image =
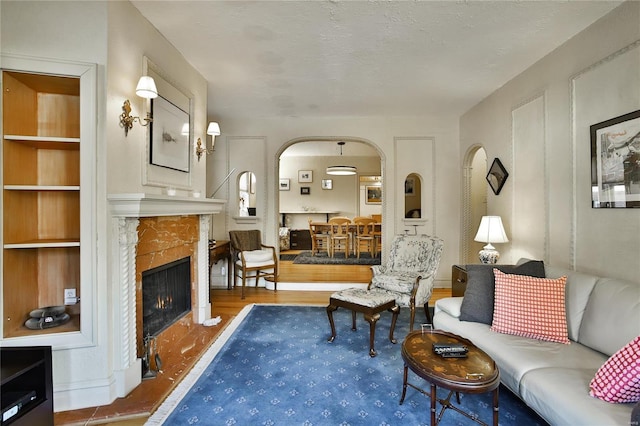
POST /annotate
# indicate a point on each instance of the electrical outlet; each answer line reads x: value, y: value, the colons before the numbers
x: 70, y: 296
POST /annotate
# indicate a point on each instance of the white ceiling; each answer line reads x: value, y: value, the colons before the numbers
x: 362, y: 58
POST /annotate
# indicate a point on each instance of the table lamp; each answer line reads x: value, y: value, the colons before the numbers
x: 490, y: 231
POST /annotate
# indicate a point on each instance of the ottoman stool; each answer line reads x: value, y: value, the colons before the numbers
x: 370, y: 303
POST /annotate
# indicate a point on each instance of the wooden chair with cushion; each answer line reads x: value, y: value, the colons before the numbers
x: 364, y: 236
x: 339, y: 235
x: 252, y: 258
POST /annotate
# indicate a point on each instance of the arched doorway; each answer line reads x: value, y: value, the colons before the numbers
x: 322, y: 190
x: 474, y: 201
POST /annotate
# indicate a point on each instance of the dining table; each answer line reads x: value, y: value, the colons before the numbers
x: 324, y: 228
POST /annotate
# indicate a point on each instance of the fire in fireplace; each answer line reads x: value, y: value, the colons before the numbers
x: 166, y: 295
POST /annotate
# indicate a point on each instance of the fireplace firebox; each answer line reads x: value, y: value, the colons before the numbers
x: 166, y: 295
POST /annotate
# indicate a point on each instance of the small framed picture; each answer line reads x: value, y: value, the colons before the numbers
x: 410, y: 186
x: 284, y: 185
x: 374, y: 194
x: 305, y: 190
x: 327, y: 184
x: 305, y: 176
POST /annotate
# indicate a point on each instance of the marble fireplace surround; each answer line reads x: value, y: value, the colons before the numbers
x: 178, y: 226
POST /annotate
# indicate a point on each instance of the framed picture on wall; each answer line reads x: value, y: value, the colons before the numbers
x: 410, y: 186
x: 305, y: 176
x: 327, y: 184
x: 305, y: 190
x: 374, y: 194
x: 284, y: 185
x: 169, y: 143
x: 497, y: 176
x: 615, y: 162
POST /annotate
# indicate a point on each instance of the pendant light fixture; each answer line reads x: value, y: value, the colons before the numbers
x: 341, y: 170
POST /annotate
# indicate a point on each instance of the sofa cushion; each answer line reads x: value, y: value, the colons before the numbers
x: 612, y: 316
x: 618, y: 380
x: 530, y: 307
x: 477, y: 305
x: 560, y: 395
x: 576, y: 294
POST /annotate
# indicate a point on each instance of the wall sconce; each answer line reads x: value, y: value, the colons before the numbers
x: 213, y: 129
x: 146, y: 88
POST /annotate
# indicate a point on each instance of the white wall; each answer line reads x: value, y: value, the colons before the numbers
x: 343, y: 198
x: 114, y: 36
x: 564, y: 93
x: 382, y: 133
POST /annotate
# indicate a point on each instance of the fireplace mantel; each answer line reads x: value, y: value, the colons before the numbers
x: 126, y: 212
x: 150, y: 205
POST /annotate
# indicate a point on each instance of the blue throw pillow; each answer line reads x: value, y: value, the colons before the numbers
x: 477, y: 305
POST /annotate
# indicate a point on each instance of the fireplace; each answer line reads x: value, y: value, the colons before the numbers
x: 135, y: 250
x: 166, y: 295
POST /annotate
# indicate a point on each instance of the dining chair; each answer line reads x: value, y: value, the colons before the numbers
x: 339, y: 235
x: 377, y: 233
x: 320, y: 237
x: 252, y: 258
x: 364, y: 235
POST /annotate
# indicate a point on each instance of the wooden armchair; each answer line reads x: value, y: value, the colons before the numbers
x: 252, y: 258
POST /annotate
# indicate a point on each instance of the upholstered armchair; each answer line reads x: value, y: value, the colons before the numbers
x: 410, y: 272
x: 252, y: 258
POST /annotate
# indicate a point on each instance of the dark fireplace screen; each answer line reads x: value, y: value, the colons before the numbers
x: 166, y: 295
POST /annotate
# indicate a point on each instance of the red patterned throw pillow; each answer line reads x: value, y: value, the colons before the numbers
x: 618, y: 380
x: 530, y: 307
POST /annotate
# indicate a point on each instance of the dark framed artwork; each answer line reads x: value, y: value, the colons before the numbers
x: 410, y: 186
x: 305, y: 190
x: 169, y: 143
x: 374, y: 194
x: 497, y: 176
x: 615, y: 162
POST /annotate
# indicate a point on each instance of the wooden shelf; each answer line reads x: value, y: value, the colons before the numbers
x: 42, y: 187
x: 41, y: 197
x: 43, y: 244
x: 46, y: 142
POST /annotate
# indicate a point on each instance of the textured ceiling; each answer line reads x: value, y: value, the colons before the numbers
x: 362, y: 58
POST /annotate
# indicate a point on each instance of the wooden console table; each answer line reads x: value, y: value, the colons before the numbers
x: 221, y: 250
x: 458, y: 280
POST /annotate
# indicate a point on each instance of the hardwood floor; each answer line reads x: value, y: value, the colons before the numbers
x: 135, y: 408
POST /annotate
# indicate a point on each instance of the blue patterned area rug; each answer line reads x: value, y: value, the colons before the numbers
x: 273, y: 365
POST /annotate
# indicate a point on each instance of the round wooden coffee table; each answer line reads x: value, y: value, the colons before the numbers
x: 477, y: 373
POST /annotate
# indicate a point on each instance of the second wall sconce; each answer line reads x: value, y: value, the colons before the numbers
x: 213, y: 129
x: 146, y: 88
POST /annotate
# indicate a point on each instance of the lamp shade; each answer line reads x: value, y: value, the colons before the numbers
x: 491, y: 230
x: 213, y: 128
x: 146, y: 87
x: 341, y: 170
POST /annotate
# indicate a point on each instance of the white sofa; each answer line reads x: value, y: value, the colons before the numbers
x: 603, y: 315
